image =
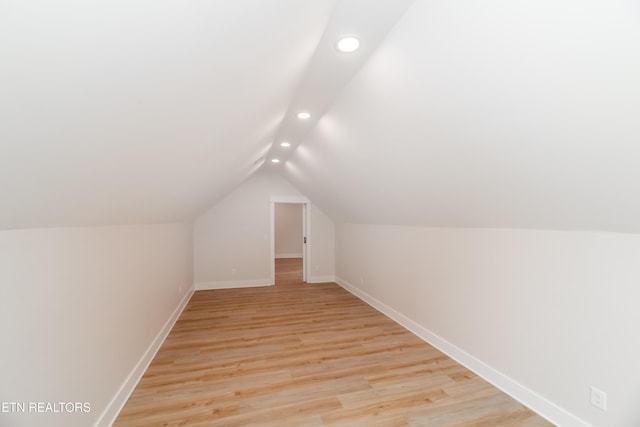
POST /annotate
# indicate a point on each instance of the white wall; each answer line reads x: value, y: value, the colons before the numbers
x: 79, y: 308
x: 288, y: 230
x: 553, y: 312
x: 232, y: 239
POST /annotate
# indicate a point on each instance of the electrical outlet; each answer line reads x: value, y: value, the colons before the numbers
x: 598, y: 398
x: 361, y: 280
x: 233, y: 271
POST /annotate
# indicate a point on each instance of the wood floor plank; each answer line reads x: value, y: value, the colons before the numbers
x: 306, y: 355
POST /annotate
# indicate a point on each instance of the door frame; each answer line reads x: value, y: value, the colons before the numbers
x: 306, y: 233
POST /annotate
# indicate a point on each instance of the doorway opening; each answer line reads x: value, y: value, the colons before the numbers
x: 289, y: 245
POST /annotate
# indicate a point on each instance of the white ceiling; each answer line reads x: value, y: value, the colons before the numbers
x: 492, y: 113
x: 141, y: 110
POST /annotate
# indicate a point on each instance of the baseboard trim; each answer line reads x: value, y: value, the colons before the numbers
x: 278, y: 256
x: 252, y: 283
x: 109, y: 415
x: 321, y: 279
x: 547, y: 409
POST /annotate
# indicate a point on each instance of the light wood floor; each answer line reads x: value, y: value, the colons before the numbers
x: 306, y: 355
x: 288, y: 271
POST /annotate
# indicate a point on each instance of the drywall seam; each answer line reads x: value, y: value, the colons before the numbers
x: 251, y: 283
x: 118, y: 401
x: 527, y: 397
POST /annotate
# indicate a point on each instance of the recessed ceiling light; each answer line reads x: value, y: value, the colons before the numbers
x: 285, y: 144
x: 303, y: 115
x: 275, y: 160
x: 348, y: 44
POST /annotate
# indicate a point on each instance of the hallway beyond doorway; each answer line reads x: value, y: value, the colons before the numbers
x: 288, y: 271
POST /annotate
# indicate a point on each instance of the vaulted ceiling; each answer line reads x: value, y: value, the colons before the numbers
x: 492, y: 113
x: 141, y: 110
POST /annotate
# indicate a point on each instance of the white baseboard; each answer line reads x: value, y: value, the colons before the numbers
x: 289, y: 255
x: 527, y: 397
x: 205, y: 286
x: 321, y: 279
x: 118, y: 401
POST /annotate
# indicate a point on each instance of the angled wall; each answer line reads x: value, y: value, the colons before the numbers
x: 545, y: 315
x: 80, y: 308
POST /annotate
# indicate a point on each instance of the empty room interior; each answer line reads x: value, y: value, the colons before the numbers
x: 320, y: 213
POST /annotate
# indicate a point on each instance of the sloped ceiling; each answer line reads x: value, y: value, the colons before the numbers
x: 488, y: 114
x: 141, y: 110
x: 493, y: 113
